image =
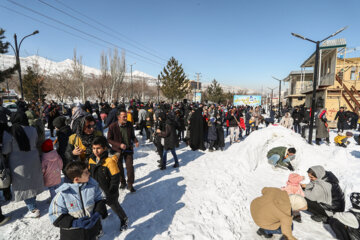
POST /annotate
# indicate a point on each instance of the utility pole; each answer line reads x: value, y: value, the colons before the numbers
x: 279, y: 94
x: 197, y: 83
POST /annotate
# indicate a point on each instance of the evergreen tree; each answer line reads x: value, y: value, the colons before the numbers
x: 174, y: 83
x: 4, y: 49
x: 33, y: 85
x: 215, y: 92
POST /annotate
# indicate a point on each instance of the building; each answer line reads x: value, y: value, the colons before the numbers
x: 297, y: 80
x: 338, y: 82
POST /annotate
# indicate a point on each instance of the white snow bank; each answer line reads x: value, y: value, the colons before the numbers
x: 209, y: 196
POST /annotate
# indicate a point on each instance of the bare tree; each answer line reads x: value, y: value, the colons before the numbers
x: 117, y: 71
x: 78, y: 74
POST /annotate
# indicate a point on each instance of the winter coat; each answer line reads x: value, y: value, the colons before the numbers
x: 212, y: 134
x: 149, y: 119
x: 25, y: 167
x: 351, y: 219
x: 130, y: 117
x: 63, y: 135
x: 74, y: 201
x: 320, y: 120
x: 106, y: 172
x: 171, y: 140
x: 297, y: 116
x: 281, y: 151
x: 111, y: 117
x: 326, y: 191
x: 341, y: 115
x: 293, y: 185
x: 114, y: 136
x: 4, y: 114
x: 52, y: 165
x: 339, y: 139
x: 197, y: 130
x: 257, y: 116
x: 273, y: 210
x: 75, y: 141
x: 233, y: 119
x: 142, y: 115
x: 287, y: 121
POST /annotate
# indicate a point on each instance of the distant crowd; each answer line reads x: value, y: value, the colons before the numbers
x: 92, y: 163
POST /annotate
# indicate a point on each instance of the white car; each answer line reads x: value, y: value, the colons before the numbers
x: 11, y: 106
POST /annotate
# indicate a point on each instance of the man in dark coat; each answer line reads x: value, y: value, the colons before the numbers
x: 111, y: 116
x: 170, y: 141
x: 297, y: 116
x: 341, y: 116
x: 197, y: 126
x: 121, y: 136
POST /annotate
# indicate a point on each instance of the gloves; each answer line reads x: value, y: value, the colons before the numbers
x: 93, y: 220
x: 290, y: 167
x: 80, y: 222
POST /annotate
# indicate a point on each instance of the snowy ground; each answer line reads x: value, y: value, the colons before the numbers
x: 209, y: 196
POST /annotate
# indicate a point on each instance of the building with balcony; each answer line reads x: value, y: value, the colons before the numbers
x: 297, y: 82
x: 338, y: 80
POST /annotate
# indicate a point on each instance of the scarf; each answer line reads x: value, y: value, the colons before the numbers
x: 86, y: 139
x: 77, y: 113
x: 18, y: 120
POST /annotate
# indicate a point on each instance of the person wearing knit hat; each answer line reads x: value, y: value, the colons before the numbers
x: 52, y: 165
x: 346, y: 225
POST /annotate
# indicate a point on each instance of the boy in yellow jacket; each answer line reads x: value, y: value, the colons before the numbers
x: 342, y: 140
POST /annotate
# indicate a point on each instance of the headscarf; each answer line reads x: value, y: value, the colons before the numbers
x: 18, y: 120
x: 77, y: 113
x: 86, y: 139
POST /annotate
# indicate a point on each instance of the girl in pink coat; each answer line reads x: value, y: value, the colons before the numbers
x: 293, y: 184
x: 51, y: 167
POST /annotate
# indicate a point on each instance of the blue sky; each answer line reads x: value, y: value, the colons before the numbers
x: 237, y: 42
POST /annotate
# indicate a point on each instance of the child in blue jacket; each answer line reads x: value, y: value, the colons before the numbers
x: 77, y: 207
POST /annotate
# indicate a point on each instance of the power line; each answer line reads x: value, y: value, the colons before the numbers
x: 99, y: 29
x: 99, y: 23
x: 83, y: 32
x: 65, y: 31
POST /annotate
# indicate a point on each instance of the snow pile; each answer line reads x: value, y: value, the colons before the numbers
x: 209, y: 196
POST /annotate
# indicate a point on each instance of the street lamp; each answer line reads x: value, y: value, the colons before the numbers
x: 17, y: 55
x: 311, y: 127
x: 279, y: 94
x: 272, y: 95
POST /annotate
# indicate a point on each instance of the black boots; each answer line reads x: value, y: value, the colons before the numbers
x: 261, y: 232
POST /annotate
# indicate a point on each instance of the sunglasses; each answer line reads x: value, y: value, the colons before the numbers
x: 91, y: 126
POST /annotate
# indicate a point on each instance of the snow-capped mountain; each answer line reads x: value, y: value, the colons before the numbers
x: 47, y: 66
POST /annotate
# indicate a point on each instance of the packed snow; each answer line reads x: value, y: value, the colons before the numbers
x: 209, y: 196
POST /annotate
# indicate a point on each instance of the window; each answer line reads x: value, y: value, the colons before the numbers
x: 352, y: 74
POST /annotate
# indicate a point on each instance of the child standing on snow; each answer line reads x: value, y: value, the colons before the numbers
x: 52, y: 165
x: 78, y: 206
x: 342, y: 140
x: 105, y: 171
x: 346, y: 224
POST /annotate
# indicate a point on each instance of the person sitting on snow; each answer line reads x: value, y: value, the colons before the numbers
x: 342, y: 140
x: 323, y: 194
x: 272, y: 212
x: 346, y: 224
x: 281, y: 157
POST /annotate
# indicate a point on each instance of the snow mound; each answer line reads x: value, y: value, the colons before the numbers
x: 209, y: 196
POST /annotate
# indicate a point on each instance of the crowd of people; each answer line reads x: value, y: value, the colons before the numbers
x: 96, y: 140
